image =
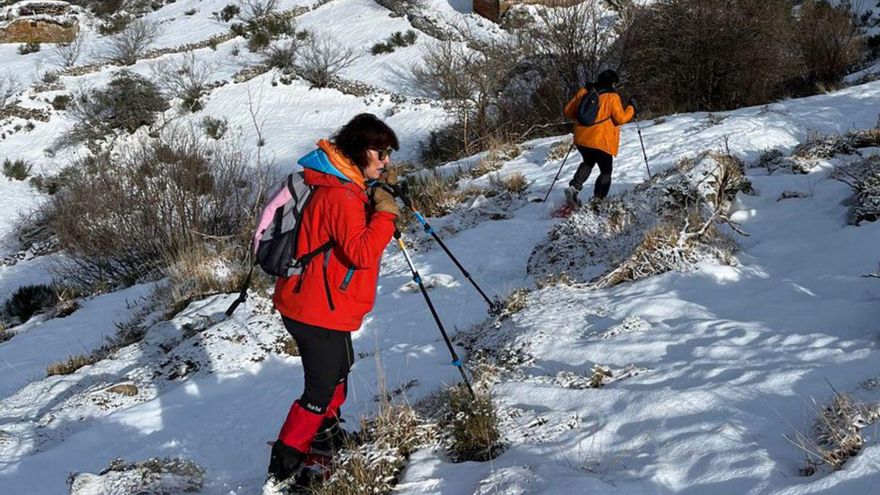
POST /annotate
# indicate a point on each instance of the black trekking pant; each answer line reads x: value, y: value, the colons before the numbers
x: 327, y: 356
x: 591, y: 157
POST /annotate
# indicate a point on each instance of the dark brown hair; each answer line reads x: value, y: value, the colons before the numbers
x: 364, y: 132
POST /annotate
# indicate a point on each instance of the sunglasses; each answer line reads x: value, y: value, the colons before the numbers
x: 383, y: 154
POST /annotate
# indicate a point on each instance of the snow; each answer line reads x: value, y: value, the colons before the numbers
x: 710, y: 368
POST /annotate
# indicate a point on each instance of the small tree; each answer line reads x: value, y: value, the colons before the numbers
x: 186, y: 78
x: 323, y: 58
x: 133, y: 42
x: 67, y: 54
x: 255, y: 9
x: 9, y: 87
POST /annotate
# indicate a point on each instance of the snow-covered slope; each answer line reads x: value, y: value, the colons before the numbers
x: 712, y: 367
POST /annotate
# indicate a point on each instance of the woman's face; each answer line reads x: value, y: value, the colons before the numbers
x: 376, y: 163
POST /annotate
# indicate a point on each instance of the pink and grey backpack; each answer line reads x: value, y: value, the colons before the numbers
x: 274, y: 242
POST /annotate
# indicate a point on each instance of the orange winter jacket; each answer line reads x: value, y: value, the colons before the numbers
x: 606, y: 135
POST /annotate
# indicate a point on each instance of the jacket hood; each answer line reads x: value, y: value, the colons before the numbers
x: 329, y: 162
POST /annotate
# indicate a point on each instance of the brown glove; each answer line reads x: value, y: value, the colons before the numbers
x: 384, y: 201
x: 389, y: 176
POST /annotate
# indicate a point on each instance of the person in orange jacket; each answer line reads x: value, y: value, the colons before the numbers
x: 599, y: 142
x: 351, y: 223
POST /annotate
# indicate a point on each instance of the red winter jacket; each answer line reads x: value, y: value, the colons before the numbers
x: 337, y: 288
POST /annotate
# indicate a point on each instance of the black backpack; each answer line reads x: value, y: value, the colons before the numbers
x: 588, y: 107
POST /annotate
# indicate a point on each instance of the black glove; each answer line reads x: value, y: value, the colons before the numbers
x: 632, y: 103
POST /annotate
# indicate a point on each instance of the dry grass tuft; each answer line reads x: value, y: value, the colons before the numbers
x: 558, y: 150
x: 836, y: 433
x: 514, y: 183
x: 374, y: 463
x: 515, y: 302
x: 71, y: 364
x: 472, y: 424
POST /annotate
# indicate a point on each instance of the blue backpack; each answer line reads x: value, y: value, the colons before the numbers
x: 588, y: 107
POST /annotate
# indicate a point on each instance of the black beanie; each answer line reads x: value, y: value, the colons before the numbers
x: 607, y: 79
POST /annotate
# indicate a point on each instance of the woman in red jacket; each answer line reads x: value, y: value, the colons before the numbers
x: 352, y: 223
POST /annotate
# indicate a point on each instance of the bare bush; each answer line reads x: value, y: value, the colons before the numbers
x: 282, y: 55
x: 132, y: 42
x: 574, y: 44
x: 829, y: 40
x: 200, y: 271
x: 67, y: 54
x: 323, y: 58
x: 9, y: 87
x: 255, y: 9
x: 864, y: 179
x: 688, y: 55
x: 445, y: 71
x: 123, y: 216
x: 186, y: 78
x: 128, y: 102
x: 475, y: 80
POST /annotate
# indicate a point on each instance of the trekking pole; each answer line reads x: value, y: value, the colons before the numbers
x: 639, y: 129
x: 558, y: 172
x: 402, y: 191
x: 418, y: 279
x: 242, y: 295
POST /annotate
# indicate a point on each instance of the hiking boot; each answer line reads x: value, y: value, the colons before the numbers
x: 571, y: 197
x: 285, y: 464
x: 595, y: 203
x: 330, y: 438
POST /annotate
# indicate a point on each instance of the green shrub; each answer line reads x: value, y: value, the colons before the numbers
x: 229, y: 12
x: 127, y: 103
x: 473, y: 426
x: 115, y: 24
x: 380, y: 48
x: 215, y: 128
x: 60, y: 102
x: 29, y: 47
x: 18, y: 169
x: 29, y: 300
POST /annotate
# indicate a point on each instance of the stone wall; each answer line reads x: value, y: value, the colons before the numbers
x: 25, y: 30
x: 494, y: 9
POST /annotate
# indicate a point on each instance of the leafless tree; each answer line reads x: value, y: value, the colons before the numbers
x: 322, y: 58
x: 67, y: 54
x: 574, y: 42
x: 255, y: 9
x: 9, y: 87
x: 686, y: 55
x: 185, y: 77
x: 829, y: 40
